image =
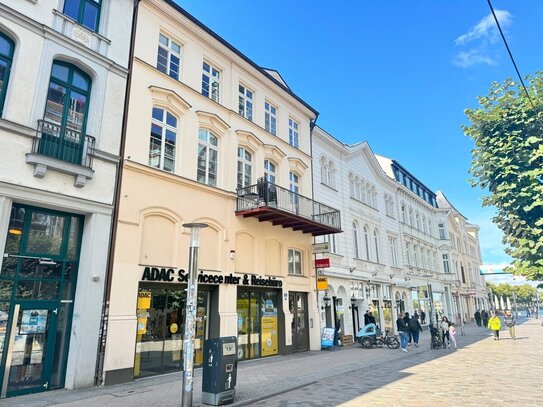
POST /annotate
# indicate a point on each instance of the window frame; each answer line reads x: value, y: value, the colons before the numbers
x: 208, y: 146
x: 270, y: 118
x: 292, y: 264
x: 8, y: 59
x: 244, y: 100
x: 355, y: 241
x: 270, y: 173
x: 164, y: 128
x: 293, y: 133
x: 81, y: 13
x: 170, y: 51
x: 211, y: 79
x: 245, y: 163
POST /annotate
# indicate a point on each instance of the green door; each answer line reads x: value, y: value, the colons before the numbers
x: 30, y: 348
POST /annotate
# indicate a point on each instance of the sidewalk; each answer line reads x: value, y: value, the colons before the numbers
x: 257, y: 379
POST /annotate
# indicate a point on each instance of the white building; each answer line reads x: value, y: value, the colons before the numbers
x: 63, y: 71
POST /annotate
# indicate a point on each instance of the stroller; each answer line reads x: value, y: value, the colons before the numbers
x: 435, y: 338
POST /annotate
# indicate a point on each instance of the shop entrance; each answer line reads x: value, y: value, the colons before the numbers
x: 161, y: 325
x: 300, y: 333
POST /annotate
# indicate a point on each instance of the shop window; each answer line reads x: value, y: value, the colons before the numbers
x: 294, y: 262
x: 6, y: 57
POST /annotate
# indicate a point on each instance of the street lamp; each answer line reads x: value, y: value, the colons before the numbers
x: 354, y: 308
x: 326, y: 300
x: 368, y: 291
x: 190, y: 314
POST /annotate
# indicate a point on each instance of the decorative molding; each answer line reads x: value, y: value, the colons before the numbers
x: 250, y: 139
x: 273, y: 152
x: 297, y: 165
x: 213, y: 120
x: 170, y: 97
x: 42, y: 163
x: 82, y: 36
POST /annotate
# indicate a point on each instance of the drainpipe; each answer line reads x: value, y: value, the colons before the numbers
x: 99, y: 376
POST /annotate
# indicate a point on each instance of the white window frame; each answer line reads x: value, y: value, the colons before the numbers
x: 393, y: 251
x: 376, y: 242
x: 245, y: 168
x: 169, y: 46
x: 165, y: 128
x: 270, y: 171
x: 211, y: 82
x: 246, y: 102
x: 207, y: 145
x: 356, y: 242
x: 295, y: 267
x: 366, y: 242
x: 293, y: 132
x: 441, y: 231
x: 270, y: 118
x: 446, y: 266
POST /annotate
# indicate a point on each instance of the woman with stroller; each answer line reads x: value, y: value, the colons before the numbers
x: 445, y: 331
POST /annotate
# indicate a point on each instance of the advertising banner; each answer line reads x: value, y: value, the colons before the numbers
x: 327, y: 337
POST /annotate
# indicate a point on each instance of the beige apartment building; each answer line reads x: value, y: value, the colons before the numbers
x: 211, y: 137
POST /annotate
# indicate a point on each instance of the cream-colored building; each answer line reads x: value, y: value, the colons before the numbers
x: 213, y: 138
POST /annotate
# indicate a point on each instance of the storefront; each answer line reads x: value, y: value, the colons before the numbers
x: 37, y: 288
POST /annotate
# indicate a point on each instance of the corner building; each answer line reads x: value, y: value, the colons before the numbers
x: 63, y: 70
x: 213, y: 138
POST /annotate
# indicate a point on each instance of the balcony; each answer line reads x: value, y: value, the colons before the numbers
x: 63, y: 149
x: 269, y: 202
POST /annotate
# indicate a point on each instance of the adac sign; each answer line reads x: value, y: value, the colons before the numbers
x: 164, y: 274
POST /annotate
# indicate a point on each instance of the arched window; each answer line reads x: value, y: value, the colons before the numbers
x: 163, y: 140
x: 208, y: 157
x: 85, y: 12
x: 367, y: 242
x: 331, y: 174
x: 376, y: 242
x: 66, y: 112
x: 355, y: 241
x: 245, y: 167
x: 6, y: 57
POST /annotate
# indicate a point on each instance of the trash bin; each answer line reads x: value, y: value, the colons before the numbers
x: 219, y: 370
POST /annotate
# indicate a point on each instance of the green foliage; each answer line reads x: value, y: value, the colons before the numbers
x: 525, y: 293
x: 508, y: 162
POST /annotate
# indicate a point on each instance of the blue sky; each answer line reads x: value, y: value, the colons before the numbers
x: 396, y: 73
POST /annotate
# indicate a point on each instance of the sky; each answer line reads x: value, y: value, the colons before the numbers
x: 398, y: 74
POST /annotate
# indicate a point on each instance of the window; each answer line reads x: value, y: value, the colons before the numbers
x: 411, y: 220
x: 331, y: 239
x: 294, y: 262
x: 441, y: 229
x: 409, y: 254
x: 446, y: 263
x: 66, y: 111
x: 293, y: 133
x: 416, y: 251
x: 211, y: 82
x: 351, y: 186
x: 294, y: 187
x: 269, y: 171
x: 367, y: 243
x: 208, y: 152
x: 418, y: 221
x: 85, y: 12
x: 463, y: 273
x: 163, y: 138
x: 393, y: 251
x: 355, y: 241
x: 245, y: 102
x: 6, y: 56
x: 376, y: 242
x: 424, y: 227
x: 168, y: 56
x: 270, y: 118
x: 245, y: 166
x: 403, y: 214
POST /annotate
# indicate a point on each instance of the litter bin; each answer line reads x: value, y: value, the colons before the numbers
x: 219, y: 370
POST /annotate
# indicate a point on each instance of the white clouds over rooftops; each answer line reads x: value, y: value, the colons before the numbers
x: 481, y: 39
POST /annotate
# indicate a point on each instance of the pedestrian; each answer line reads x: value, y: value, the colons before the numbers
x: 495, y: 324
x: 415, y: 329
x: 485, y: 318
x: 478, y: 317
x: 367, y: 317
x: 403, y: 329
x: 371, y: 319
x: 445, y: 332
x: 337, y: 342
x: 510, y: 322
x: 406, y: 319
x: 452, y: 335
x: 422, y: 317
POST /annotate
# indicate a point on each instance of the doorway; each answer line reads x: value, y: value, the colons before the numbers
x: 300, y: 332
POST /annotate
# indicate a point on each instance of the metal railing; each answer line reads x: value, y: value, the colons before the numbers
x: 64, y: 144
x: 267, y: 194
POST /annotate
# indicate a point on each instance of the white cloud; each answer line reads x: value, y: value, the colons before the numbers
x: 482, y: 37
x: 486, y: 28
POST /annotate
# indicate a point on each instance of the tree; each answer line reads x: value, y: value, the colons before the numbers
x: 508, y: 162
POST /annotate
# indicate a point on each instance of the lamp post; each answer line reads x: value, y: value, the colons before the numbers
x: 353, y: 308
x: 190, y: 314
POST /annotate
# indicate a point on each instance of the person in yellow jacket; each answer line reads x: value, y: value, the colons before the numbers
x: 495, y: 324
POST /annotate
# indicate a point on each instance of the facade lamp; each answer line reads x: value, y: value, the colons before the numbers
x: 326, y: 300
x: 353, y: 303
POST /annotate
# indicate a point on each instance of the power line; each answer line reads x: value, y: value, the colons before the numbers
x: 510, y: 54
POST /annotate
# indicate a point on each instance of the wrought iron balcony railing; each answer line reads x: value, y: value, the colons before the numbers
x: 64, y: 144
x: 267, y: 201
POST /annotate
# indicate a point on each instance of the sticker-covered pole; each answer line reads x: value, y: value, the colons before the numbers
x: 190, y: 315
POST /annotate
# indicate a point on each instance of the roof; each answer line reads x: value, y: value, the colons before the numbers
x: 444, y: 203
x: 272, y: 77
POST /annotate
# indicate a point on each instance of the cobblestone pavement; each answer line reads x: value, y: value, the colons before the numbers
x: 479, y: 373
x: 353, y: 376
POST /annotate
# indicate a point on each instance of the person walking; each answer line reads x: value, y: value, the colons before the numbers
x: 478, y: 318
x: 495, y: 325
x: 510, y: 322
x: 406, y: 319
x: 371, y: 318
x: 452, y: 335
x: 403, y: 330
x: 485, y: 318
x: 415, y: 329
x: 422, y: 317
x: 445, y: 332
x: 367, y: 317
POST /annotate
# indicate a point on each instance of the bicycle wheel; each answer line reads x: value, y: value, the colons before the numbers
x: 366, y: 342
x: 379, y: 342
x: 393, y: 343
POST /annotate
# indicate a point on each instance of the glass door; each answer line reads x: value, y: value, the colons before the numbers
x: 300, y: 333
x: 30, y: 348
x: 249, y: 324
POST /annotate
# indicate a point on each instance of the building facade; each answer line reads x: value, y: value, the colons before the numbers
x: 211, y: 138
x: 63, y: 71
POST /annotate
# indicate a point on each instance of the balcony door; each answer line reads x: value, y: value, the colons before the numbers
x: 66, y: 110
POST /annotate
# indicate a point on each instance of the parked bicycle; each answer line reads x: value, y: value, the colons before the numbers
x: 391, y: 341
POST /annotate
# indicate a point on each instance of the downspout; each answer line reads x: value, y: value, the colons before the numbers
x: 102, y: 339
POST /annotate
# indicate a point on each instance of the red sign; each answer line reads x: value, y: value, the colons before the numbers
x: 322, y: 263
